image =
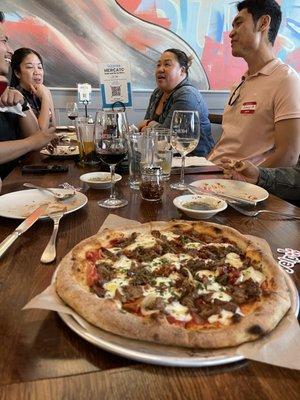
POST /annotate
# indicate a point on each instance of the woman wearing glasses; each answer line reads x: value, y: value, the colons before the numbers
x: 175, y: 92
x: 27, y: 77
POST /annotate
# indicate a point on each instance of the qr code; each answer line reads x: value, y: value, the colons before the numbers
x: 115, y: 90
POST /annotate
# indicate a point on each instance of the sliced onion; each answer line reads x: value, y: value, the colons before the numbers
x: 190, y: 276
x: 146, y: 302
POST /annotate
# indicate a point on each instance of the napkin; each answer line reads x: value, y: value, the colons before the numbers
x: 281, y: 347
x: 191, y: 162
x: 17, y: 109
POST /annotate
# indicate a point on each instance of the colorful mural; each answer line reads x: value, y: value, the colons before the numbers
x: 74, y: 36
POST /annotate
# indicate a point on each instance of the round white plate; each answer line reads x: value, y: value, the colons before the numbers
x: 102, y: 183
x: 244, y: 190
x: 62, y: 151
x: 21, y: 204
x: 158, y: 354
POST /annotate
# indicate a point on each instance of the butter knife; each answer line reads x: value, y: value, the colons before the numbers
x: 29, y: 221
x: 224, y: 196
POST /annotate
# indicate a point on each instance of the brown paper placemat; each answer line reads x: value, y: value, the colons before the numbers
x: 281, y: 347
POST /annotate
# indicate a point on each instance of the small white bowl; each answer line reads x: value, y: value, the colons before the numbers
x: 213, y: 201
x: 99, y: 180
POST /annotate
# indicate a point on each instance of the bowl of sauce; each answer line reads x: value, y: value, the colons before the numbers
x: 99, y: 180
x: 199, y: 206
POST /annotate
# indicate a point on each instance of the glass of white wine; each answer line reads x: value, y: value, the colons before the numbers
x: 185, y: 131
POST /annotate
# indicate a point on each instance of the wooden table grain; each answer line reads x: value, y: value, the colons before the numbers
x: 41, y: 358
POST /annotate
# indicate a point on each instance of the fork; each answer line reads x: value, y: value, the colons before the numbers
x: 57, y: 195
x: 49, y: 253
x: 254, y: 213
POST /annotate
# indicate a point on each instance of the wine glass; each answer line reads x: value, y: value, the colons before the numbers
x: 111, y: 133
x: 185, y: 131
x: 72, y: 110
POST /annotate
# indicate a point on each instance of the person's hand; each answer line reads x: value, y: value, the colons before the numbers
x: 40, y: 90
x: 142, y: 124
x: 11, y: 97
x: 42, y: 137
x: 239, y: 170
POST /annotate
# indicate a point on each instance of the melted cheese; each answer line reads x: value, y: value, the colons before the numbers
x: 113, y: 285
x: 252, y: 273
x: 164, y: 294
x: 178, y: 311
x: 123, y: 263
x: 145, y: 240
x: 212, y: 286
x: 218, y: 244
x: 193, y: 245
x: 206, y: 272
x: 163, y: 280
x: 115, y: 250
x: 224, y: 317
x: 234, y: 260
x: 170, y: 235
x: 221, y: 296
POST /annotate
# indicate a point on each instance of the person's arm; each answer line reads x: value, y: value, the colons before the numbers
x: 29, y: 124
x: 12, y: 149
x: 11, y: 97
x: 142, y: 125
x: 43, y: 93
x: 283, y: 182
x: 287, y: 144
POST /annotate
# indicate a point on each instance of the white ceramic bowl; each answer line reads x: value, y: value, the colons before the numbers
x: 99, y: 180
x: 212, y: 201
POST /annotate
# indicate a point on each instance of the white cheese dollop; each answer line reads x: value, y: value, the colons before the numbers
x: 178, y: 311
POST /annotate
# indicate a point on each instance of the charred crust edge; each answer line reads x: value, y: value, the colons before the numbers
x: 256, y: 330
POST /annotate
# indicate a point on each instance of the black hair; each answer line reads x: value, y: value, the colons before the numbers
x: 257, y: 8
x: 16, y: 60
x: 2, y: 17
x: 182, y: 58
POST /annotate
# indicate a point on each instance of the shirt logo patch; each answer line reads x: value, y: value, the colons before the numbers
x: 248, y: 107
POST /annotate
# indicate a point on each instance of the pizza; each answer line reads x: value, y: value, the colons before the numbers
x: 181, y: 283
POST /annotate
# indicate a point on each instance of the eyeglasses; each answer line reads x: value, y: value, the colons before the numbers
x: 236, y: 94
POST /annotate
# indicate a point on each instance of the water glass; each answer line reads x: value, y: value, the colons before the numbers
x: 139, y: 156
x: 162, y: 149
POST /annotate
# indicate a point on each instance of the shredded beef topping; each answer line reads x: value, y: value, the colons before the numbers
x: 168, y: 280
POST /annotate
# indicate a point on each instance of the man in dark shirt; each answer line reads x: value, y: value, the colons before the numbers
x: 18, y: 134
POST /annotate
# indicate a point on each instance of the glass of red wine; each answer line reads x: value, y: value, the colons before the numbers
x: 72, y: 110
x: 111, y: 133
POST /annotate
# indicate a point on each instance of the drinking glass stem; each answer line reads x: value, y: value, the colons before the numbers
x: 182, y: 169
x: 112, y: 177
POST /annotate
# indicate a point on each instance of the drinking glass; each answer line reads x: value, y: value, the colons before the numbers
x: 185, y: 134
x: 72, y: 110
x: 111, y: 134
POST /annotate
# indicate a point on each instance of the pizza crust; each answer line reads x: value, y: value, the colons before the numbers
x: 106, y: 313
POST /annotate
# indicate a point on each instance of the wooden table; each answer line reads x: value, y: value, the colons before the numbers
x: 41, y: 358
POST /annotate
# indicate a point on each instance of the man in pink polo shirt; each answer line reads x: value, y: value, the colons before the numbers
x: 261, y: 121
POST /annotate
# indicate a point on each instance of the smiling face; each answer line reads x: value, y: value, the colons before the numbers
x: 5, y: 53
x: 169, y: 73
x: 31, y: 71
x: 245, y: 37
